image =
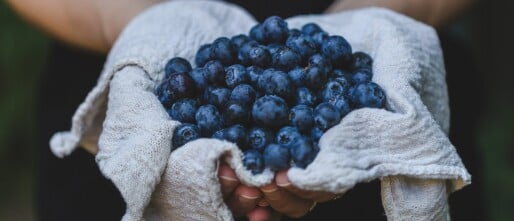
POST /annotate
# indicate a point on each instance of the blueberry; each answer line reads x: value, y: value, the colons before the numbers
x: 276, y: 83
x: 276, y: 157
x: 287, y: 136
x: 223, y: 51
x: 285, y: 59
x: 270, y: 111
x: 203, y: 55
x: 296, y: 75
x: 236, y: 74
x: 302, y: 44
x: 253, y: 161
x: 257, y: 33
x: 244, y: 51
x: 275, y: 29
x: 311, y: 28
x: 220, y: 134
x: 302, y: 117
x: 337, y: 49
x: 368, y: 95
x: 342, y: 103
x: 260, y: 56
x: 273, y: 48
x: 258, y: 138
x: 343, y: 81
x: 316, y: 134
x: 362, y: 60
x: 183, y: 134
x: 176, y: 86
x: 217, y: 96
x: 336, y: 73
x: 243, y: 94
x: 254, y: 72
x: 305, y: 96
x: 332, y: 90
x: 184, y: 110
x: 214, y: 72
x: 236, y: 134
x: 235, y: 112
x: 319, y: 38
x: 294, y: 32
x: 175, y: 65
x: 208, y: 119
x: 303, y: 152
x: 326, y: 116
x: 362, y: 76
x: 198, y: 76
x: 315, y: 77
x: 321, y: 62
x: 238, y: 41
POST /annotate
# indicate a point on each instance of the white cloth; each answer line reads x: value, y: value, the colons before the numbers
x: 406, y: 147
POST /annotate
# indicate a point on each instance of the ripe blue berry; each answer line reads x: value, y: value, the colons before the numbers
x: 175, y: 65
x: 305, y: 96
x: 208, y: 119
x: 270, y: 111
x: 311, y: 28
x: 220, y: 134
x: 321, y: 62
x: 235, y: 112
x: 243, y: 94
x: 302, y: 117
x: 362, y: 60
x: 238, y: 41
x: 203, y: 55
x: 362, y: 76
x: 342, y: 103
x: 253, y: 161
x: 302, y: 44
x: 217, y: 96
x: 176, y: 86
x: 337, y: 49
x: 236, y: 74
x: 287, y: 136
x: 285, y: 59
x: 260, y: 56
x: 198, y: 76
x: 223, y: 51
x: 254, y: 72
x: 296, y: 75
x: 276, y: 157
x: 184, y: 110
x: 183, y: 134
x: 275, y: 30
x: 319, y: 38
x: 274, y: 82
x: 258, y: 138
x: 316, y: 134
x: 368, y: 95
x: 303, y: 152
x: 344, y: 82
x: 244, y: 51
x: 273, y: 48
x: 257, y: 33
x: 315, y: 77
x: 332, y: 90
x: 214, y: 72
x: 236, y: 134
x: 326, y: 116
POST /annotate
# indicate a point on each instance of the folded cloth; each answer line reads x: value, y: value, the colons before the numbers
x: 406, y: 146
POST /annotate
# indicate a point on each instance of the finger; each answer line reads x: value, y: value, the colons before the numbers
x: 243, y: 200
x: 317, y: 196
x: 285, y: 202
x: 263, y: 214
x: 228, y: 180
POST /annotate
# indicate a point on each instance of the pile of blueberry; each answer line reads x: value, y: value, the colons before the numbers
x: 273, y: 93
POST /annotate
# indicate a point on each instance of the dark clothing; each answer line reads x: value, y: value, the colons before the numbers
x: 74, y: 189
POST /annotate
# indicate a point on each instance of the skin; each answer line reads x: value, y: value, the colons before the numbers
x: 95, y: 24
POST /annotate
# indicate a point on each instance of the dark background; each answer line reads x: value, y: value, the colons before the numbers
x: 483, y: 37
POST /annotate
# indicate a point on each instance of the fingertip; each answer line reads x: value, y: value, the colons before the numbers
x: 247, y: 192
x: 227, y: 173
x: 259, y: 214
x: 281, y: 179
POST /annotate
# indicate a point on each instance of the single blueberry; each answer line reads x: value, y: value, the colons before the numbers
x: 275, y: 30
x: 254, y: 72
x: 321, y: 62
x: 235, y: 113
x: 368, y: 95
x: 343, y: 104
x: 332, y: 90
x: 238, y: 41
x: 296, y: 75
x: 277, y: 83
x: 316, y: 134
x: 244, y: 94
x: 183, y: 134
x: 176, y: 86
x: 319, y: 38
x: 257, y: 34
x: 203, y: 55
x: 244, y: 51
x: 337, y: 50
x: 258, y: 138
x: 217, y: 96
x: 302, y: 44
x: 273, y: 48
x: 260, y: 56
x: 236, y: 134
x: 176, y: 64
x: 362, y: 60
x: 305, y: 96
x: 362, y: 76
x: 270, y: 111
x: 285, y: 59
x: 198, y: 76
x: 344, y: 82
x: 253, y: 161
x: 302, y: 152
x: 302, y: 117
x: 287, y: 136
x: 236, y: 74
x: 223, y: 51
x: 326, y: 116
x: 315, y: 77
x: 311, y: 28
x: 215, y: 73
x: 208, y: 119
x: 276, y: 157
x: 184, y: 110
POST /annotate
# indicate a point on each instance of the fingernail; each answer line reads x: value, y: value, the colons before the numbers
x: 282, y: 181
x: 269, y: 188
x: 248, y: 198
x: 231, y: 179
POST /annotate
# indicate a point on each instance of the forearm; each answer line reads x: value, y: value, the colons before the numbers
x: 93, y: 24
x: 432, y: 12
